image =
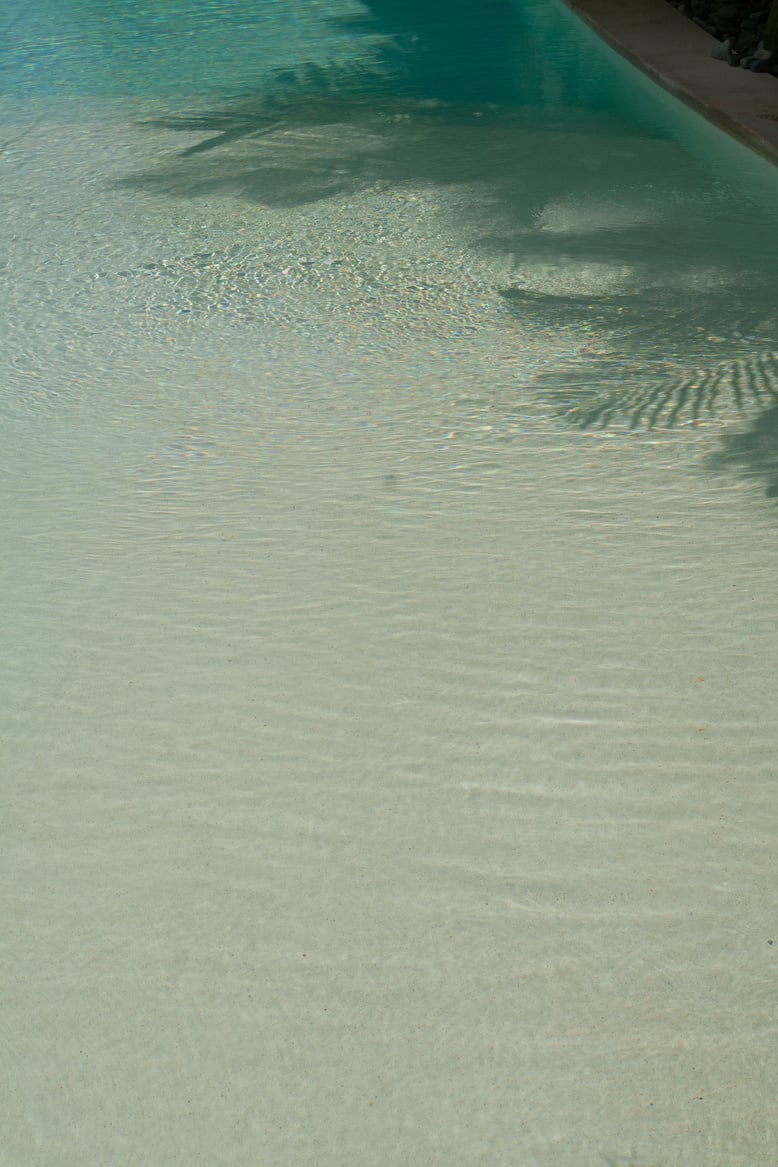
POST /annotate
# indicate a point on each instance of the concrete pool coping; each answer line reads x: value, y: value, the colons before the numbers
x: 676, y: 53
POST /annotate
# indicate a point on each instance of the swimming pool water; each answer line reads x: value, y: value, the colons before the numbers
x: 388, y: 598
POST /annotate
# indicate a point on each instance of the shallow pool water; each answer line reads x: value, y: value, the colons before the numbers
x: 387, y: 620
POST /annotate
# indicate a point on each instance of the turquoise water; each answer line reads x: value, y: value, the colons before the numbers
x: 387, y: 617
x: 162, y: 49
x: 448, y: 50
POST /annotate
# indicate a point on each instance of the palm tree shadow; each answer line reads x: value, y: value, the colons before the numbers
x: 652, y: 391
x: 753, y: 452
x: 419, y: 68
x: 677, y: 315
x: 674, y: 320
x: 666, y: 362
x: 658, y: 363
x: 332, y: 145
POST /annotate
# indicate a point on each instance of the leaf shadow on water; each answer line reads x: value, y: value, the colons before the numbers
x: 417, y: 71
x: 664, y: 359
x: 753, y: 451
x: 674, y: 314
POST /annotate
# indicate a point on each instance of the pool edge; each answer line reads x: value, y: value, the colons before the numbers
x: 676, y: 54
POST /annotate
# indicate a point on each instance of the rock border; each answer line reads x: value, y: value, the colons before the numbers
x: 739, y: 25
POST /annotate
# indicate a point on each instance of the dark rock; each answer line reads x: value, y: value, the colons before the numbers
x: 739, y: 24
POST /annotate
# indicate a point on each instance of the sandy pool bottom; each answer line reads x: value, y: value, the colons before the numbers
x: 389, y: 766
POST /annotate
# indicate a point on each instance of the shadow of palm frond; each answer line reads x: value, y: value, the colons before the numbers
x: 687, y: 330
x: 321, y: 129
x: 753, y: 452
x: 312, y: 95
x: 658, y: 360
x: 281, y: 154
x: 407, y: 53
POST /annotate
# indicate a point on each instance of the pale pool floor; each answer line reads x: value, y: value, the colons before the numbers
x: 390, y: 771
